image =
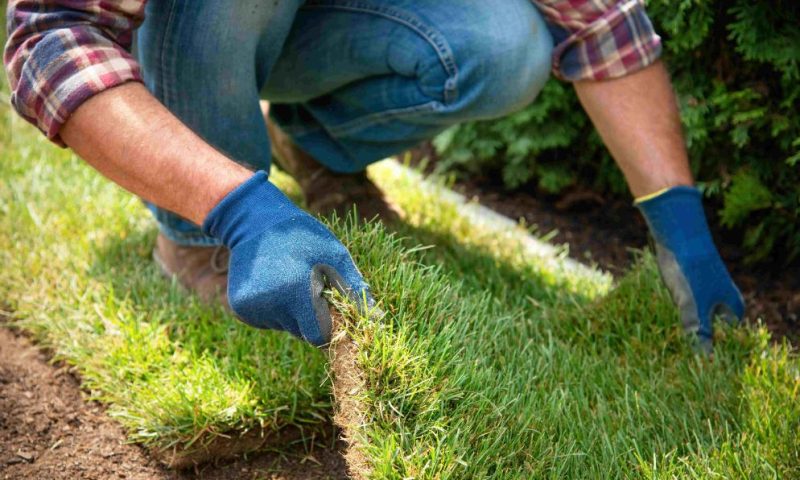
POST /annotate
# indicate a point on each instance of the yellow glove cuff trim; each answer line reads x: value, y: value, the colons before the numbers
x: 650, y: 196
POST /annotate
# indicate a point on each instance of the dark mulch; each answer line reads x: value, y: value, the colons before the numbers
x: 49, y: 430
x: 603, y: 231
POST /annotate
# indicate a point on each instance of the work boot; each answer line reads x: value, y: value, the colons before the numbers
x: 324, y: 190
x: 202, y: 270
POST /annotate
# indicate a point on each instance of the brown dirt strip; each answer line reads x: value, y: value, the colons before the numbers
x: 49, y: 430
x: 348, y: 384
x: 235, y: 445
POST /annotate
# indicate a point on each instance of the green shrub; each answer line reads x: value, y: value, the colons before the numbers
x: 736, y: 68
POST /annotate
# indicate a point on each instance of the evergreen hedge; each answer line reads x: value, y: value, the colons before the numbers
x: 736, y: 69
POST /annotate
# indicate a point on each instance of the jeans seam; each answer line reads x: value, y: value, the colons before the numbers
x: 300, y: 130
x: 166, y: 43
x: 378, y: 117
x: 434, y: 38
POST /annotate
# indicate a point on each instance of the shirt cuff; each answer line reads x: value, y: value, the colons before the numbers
x: 619, y: 42
x: 64, y: 69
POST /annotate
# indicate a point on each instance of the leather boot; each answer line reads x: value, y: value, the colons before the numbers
x: 202, y: 270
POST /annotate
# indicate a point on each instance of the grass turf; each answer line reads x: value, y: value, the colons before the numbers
x: 486, y: 365
x: 490, y: 365
x: 77, y: 273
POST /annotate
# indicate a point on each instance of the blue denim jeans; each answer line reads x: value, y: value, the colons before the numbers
x: 351, y: 81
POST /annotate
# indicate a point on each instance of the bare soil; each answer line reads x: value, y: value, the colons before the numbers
x: 49, y: 430
x: 348, y: 384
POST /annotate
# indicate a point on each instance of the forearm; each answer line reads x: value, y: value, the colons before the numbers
x: 637, y: 117
x: 129, y: 137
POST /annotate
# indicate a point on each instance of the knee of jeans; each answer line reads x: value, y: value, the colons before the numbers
x: 502, y: 70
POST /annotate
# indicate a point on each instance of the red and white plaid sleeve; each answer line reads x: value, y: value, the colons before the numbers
x: 603, y: 38
x: 61, y: 52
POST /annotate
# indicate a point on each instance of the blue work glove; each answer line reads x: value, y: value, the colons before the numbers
x: 689, y: 262
x: 281, y: 260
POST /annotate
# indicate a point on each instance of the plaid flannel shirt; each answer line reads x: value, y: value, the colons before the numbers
x: 61, y: 52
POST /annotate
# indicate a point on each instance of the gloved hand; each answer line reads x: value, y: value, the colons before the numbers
x: 281, y: 260
x: 689, y: 262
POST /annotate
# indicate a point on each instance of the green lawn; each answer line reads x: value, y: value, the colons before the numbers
x: 77, y: 272
x: 491, y: 365
x: 487, y: 364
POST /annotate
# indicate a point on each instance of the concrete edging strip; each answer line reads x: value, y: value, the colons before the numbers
x: 492, y: 221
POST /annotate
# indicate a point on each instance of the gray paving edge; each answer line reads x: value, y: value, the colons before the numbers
x: 491, y: 221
